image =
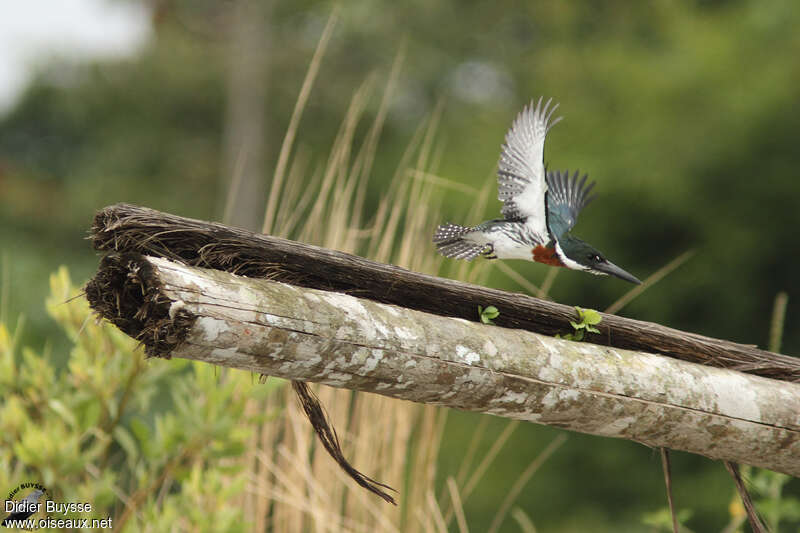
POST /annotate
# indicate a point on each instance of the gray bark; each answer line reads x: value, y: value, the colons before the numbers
x: 343, y: 341
x: 125, y: 229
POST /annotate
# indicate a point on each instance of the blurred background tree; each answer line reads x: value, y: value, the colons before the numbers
x: 685, y: 113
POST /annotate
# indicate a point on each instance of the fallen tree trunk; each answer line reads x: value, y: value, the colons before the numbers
x: 311, y: 335
x: 127, y: 228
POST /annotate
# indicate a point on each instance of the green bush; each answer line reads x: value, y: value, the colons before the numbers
x: 148, y: 443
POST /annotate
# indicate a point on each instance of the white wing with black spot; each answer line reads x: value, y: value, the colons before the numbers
x: 521, y: 175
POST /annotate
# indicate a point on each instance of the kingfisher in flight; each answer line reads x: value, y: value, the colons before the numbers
x: 540, y: 207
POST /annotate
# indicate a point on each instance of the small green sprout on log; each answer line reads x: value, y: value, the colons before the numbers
x: 488, y: 314
x: 587, y: 320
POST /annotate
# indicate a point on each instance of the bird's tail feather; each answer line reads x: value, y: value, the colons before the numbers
x: 449, y: 242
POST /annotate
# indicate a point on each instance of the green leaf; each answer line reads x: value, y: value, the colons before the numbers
x: 491, y: 312
x: 587, y: 317
x: 143, y: 435
x: 126, y: 442
x: 64, y: 412
x: 91, y: 415
x: 590, y: 316
x: 662, y: 519
x: 487, y: 314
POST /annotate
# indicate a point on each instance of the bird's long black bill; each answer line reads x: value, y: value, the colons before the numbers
x: 610, y: 268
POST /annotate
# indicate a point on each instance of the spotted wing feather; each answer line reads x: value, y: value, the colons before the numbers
x: 449, y: 242
x: 521, y: 174
x: 566, y: 197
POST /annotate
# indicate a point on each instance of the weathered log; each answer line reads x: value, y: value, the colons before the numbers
x: 343, y: 341
x: 127, y: 228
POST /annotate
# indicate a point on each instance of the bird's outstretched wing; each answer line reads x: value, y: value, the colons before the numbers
x: 521, y: 175
x: 566, y: 197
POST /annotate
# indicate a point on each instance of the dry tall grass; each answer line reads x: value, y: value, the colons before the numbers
x: 295, y: 485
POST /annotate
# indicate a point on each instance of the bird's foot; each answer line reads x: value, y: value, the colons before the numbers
x: 488, y: 251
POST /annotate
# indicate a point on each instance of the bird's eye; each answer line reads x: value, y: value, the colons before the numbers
x: 595, y: 258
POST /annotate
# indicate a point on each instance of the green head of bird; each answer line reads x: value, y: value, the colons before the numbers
x: 579, y: 255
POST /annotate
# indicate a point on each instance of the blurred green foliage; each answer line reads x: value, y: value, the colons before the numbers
x: 685, y: 113
x: 95, y: 432
x: 778, y: 509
